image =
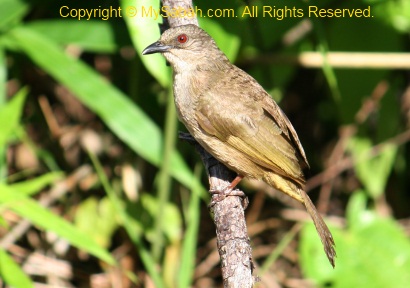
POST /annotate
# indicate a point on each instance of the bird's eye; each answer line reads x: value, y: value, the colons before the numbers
x: 182, y: 38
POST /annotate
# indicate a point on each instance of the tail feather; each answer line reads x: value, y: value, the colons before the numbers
x: 321, y: 228
x: 296, y: 192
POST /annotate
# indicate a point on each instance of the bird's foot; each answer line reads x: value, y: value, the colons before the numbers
x: 219, y: 194
x: 227, y: 191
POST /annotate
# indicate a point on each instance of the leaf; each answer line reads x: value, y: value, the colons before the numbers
x: 373, y: 253
x: 396, y: 13
x: 313, y: 261
x: 374, y: 172
x: 132, y: 226
x: 12, y: 11
x: 144, y: 30
x: 33, y: 186
x: 10, y: 115
x: 40, y: 216
x: 174, y: 223
x: 93, y: 36
x: 120, y: 114
x: 97, y: 218
x: 189, y: 245
x: 11, y: 273
x: 357, y: 204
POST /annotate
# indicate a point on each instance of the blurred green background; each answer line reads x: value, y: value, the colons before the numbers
x: 97, y: 191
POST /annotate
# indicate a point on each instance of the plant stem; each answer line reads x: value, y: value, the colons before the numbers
x: 164, y: 181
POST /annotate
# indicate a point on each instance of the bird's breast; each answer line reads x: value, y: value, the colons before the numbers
x: 186, y: 93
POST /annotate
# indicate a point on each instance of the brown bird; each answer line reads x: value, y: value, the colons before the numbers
x: 235, y: 119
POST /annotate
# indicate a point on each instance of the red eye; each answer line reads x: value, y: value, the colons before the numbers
x: 182, y: 38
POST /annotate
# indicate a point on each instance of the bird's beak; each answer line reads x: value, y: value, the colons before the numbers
x: 156, y: 47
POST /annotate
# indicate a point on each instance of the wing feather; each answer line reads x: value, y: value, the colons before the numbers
x: 250, y: 125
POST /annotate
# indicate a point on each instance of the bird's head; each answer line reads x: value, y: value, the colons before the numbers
x: 188, y: 47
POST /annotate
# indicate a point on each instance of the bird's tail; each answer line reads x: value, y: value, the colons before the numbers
x: 296, y: 192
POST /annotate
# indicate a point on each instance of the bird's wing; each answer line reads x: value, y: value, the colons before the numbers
x: 282, y: 120
x: 236, y: 112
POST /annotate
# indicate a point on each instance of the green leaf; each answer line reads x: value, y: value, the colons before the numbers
x: 373, y: 253
x: 120, y: 114
x: 131, y: 226
x: 94, y: 36
x: 171, y: 213
x: 144, y: 30
x: 33, y: 186
x: 97, y: 218
x: 189, y: 245
x: 3, y: 99
x: 396, y: 13
x: 356, y: 207
x: 11, y: 273
x: 374, y: 172
x: 40, y: 216
x: 12, y: 11
x: 10, y: 115
x: 3, y: 76
x: 313, y: 260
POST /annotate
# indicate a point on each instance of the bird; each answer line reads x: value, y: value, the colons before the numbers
x: 235, y: 120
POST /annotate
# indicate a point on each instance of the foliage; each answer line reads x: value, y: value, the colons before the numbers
x: 89, y: 153
x: 373, y: 251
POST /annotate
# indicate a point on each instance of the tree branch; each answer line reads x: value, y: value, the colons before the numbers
x: 229, y: 218
x: 351, y: 60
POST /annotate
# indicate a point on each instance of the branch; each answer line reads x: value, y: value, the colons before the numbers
x: 356, y: 60
x: 229, y: 217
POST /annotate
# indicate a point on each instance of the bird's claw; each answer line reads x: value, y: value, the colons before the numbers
x: 227, y: 192
x: 219, y: 194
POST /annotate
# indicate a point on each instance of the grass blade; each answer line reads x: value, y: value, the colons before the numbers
x: 120, y: 114
x: 40, y: 216
x: 146, y: 258
x: 11, y: 273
